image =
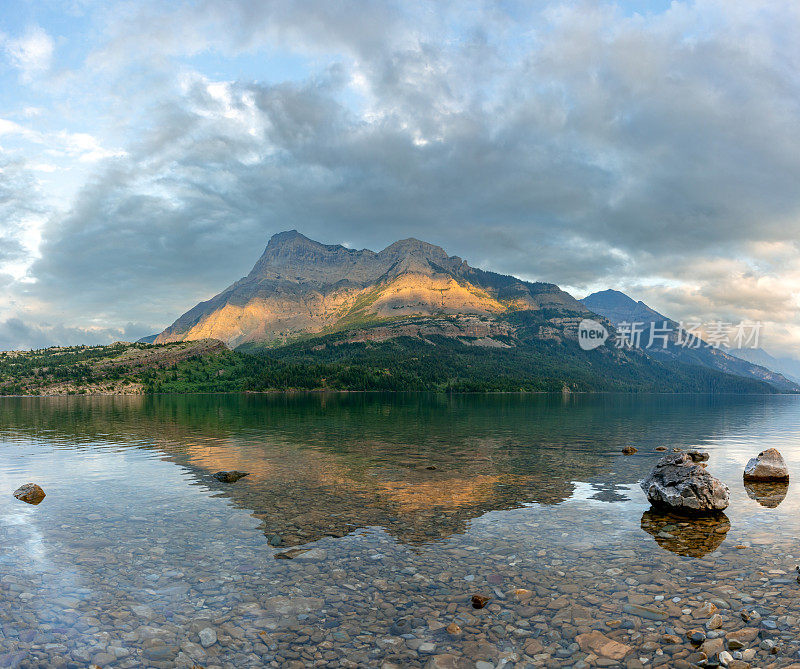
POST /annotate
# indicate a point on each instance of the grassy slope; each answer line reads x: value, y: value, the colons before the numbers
x: 121, y: 368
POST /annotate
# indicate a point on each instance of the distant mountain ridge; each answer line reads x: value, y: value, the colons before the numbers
x: 620, y: 308
x: 788, y: 367
x: 301, y: 287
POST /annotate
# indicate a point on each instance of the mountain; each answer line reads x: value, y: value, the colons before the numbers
x: 300, y: 287
x: 789, y: 367
x: 620, y: 308
x: 409, y: 317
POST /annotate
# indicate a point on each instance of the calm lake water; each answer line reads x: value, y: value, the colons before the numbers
x: 369, y: 521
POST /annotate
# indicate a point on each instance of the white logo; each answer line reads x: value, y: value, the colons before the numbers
x: 591, y: 334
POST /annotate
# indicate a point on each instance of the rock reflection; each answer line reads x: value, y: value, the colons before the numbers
x: 610, y: 492
x: 690, y: 537
x: 767, y: 493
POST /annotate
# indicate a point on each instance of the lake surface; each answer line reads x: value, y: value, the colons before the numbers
x: 369, y: 521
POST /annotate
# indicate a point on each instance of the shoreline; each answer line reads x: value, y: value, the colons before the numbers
x: 320, y: 391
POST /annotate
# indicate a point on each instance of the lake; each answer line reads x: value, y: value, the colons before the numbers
x: 369, y: 521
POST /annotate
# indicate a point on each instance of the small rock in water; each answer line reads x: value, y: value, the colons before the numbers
x: 661, y: 448
x: 522, y: 594
x: 291, y: 553
x: 697, y: 456
x: 696, y: 637
x: 767, y: 466
x: 745, y: 635
x: 598, y: 643
x: 230, y: 477
x: 629, y: 450
x: 678, y: 482
x: 453, y: 629
x: 479, y: 601
x: 208, y: 637
x: 431, y: 467
x: 708, y: 609
x: 401, y: 626
x: 644, y: 612
x: 30, y: 493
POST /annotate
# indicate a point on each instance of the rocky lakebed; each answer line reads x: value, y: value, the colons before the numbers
x: 404, y: 531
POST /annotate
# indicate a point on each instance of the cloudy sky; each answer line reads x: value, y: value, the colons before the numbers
x: 149, y: 149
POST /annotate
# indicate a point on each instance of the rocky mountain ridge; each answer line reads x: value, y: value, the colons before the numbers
x: 301, y: 287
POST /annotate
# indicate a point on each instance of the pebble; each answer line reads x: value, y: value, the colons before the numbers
x: 208, y: 637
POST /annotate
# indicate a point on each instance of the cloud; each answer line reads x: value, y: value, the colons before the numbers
x: 18, y: 335
x: 20, y: 209
x: 78, y: 145
x: 32, y: 53
x: 570, y: 142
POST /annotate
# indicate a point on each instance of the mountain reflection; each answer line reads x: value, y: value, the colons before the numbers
x: 420, y: 466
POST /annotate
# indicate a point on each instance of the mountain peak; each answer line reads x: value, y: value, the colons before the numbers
x: 609, y: 297
x: 288, y: 237
x: 619, y: 307
x: 415, y: 250
x: 412, y: 244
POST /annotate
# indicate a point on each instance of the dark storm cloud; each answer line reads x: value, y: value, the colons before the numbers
x: 573, y: 144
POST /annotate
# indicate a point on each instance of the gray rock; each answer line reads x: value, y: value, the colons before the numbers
x: 313, y: 554
x: 680, y: 484
x: 645, y: 612
x: 208, y: 637
x: 767, y: 466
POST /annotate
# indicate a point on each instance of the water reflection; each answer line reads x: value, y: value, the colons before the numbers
x: 420, y: 466
x: 450, y: 497
x: 767, y: 493
x: 693, y: 537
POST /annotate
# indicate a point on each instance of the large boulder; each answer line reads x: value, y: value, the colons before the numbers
x: 680, y: 483
x: 768, y: 466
